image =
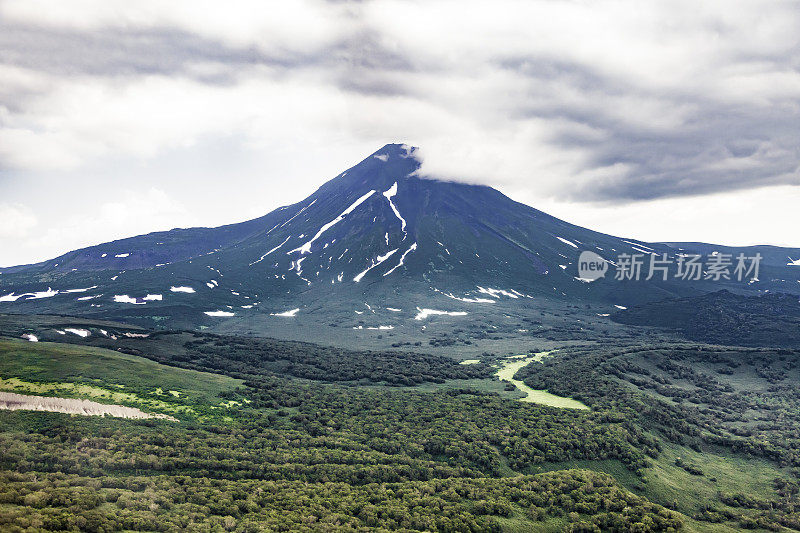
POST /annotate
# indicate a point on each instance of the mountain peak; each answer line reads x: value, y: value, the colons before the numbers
x: 377, y: 229
x: 401, y: 150
x: 391, y: 163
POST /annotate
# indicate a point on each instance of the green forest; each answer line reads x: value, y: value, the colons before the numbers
x: 265, y: 444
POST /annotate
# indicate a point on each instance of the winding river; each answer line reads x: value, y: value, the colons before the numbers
x: 510, y: 368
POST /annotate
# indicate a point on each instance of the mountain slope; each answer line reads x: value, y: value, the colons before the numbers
x: 771, y: 320
x: 376, y: 236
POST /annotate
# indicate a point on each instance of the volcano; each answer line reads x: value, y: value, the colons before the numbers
x: 380, y: 236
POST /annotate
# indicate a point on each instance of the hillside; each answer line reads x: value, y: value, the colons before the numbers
x: 724, y: 318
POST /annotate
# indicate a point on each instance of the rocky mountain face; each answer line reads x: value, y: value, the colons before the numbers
x: 377, y: 236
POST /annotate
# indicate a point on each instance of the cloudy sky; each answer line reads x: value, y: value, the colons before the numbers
x: 656, y: 120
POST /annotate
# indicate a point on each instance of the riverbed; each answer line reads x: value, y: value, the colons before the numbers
x: 510, y: 367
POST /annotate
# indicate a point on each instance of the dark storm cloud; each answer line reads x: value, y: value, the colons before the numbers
x: 721, y: 149
x: 170, y: 51
x: 717, y: 147
x: 126, y: 52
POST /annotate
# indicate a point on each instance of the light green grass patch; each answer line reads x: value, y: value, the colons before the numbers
x: 75, y: 390
x: 107, y: 376
x: 667, y: 482
x: 509, y: 369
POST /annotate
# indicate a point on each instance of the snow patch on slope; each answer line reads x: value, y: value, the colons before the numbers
x: 181, y: 289
x: 306, y: 248
x: 375, y: 262
x: 495, y: 292
x: 565, y: 241
x: 290, y: 313
x: 402, y: 258
x: 12, y: 297
x: 467, y: 300
x: 218, y: 313
x: 269, y: 252
x: 422, y: 314
x: 125, y: 299
x: 49, y: 293
x: 391, y: 192
x: 81, y: 290
x: 297, y: 214
x: 636, y: 244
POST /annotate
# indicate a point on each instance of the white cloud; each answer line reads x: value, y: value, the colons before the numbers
x: 767, y: 215
x: 132, y: 213
x: 17, y: 221
x: 559, y: 103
